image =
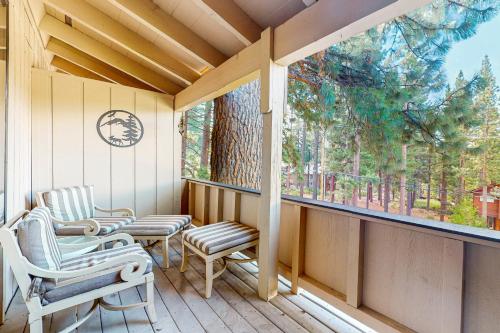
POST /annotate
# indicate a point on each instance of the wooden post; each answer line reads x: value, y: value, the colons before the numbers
x: 205, y: 219
x: 192, y: 199
x: 220, y: 205
x: 272, y: 105
x: 235, y: 204
x: 453, y: 275
x: 299, y: 241
x: 354, y: 291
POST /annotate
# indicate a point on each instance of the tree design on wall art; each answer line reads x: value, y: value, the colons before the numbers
x: 120, y: 128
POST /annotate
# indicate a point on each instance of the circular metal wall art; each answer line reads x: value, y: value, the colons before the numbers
x: 120, y: 128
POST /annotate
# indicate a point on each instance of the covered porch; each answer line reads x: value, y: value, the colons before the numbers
x: 321, y: 267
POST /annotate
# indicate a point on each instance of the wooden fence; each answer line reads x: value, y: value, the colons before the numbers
x: 391, y: 273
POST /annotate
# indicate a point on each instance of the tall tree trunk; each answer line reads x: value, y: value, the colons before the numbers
x: 443, y: 194
x: 402, y: 180
x: 332, y: 186
x: 316, y: 164
x: 183, y: 130
x: 205, y: 140
x: 484, y: 169
x: 303, y: 158
x: 288, y: 179
x: 237, y: 138
x: 379, y: 187
x: 461, y: 179
x: 387, y: 192
x: 355, y: 168
x: 322, y: 184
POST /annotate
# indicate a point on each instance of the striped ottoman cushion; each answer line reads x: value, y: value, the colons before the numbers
x: 157, y: 225
x: 220, y: 236
x: 108, y: 225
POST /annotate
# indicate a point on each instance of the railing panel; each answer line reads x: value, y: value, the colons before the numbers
x: 326, y: 248
x: 482, y: 289
x: 286, y: 233
x: 249, y: 210
x: 405, y: 276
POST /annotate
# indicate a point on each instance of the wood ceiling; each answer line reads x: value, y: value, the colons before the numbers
x: 161, y: 45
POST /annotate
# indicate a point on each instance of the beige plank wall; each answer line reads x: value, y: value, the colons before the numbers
x: 25, y: 50
x: 68, y: 151
x: 412, y: 279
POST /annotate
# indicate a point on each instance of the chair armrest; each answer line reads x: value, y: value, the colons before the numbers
x: 92, y: 227
x: 128, y: 240
x: 127, y: 272
x: 127, y: 211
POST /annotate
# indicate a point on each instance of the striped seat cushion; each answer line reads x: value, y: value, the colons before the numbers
x: 71, y: 203
x: 220, y: 236
x: 108, y: 226
x: 37, y: 240
x: 51, y: 292
x: 157, y: 225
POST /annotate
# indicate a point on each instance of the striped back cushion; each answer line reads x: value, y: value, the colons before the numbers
x: 37, y: 240
x: 71, y: 203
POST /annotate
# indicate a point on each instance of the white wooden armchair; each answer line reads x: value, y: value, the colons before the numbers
x: 49, y: 284
x: 73, y: 212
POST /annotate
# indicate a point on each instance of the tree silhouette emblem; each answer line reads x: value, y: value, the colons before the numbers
x: 120, y: 128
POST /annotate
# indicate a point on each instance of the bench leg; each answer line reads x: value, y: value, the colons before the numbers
x: 151, y: 302
x: 185, y: 257
x: 166, y: 261
x: 209, y: 271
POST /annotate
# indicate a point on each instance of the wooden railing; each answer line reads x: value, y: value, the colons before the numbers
x: 393, y: 273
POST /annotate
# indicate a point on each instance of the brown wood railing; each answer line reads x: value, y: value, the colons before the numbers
x: 393, y: 273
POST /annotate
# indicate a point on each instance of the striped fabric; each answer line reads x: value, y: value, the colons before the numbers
x: 37, y: 240
x: 51, y: 292
x: 220, y: 236
x: 157, y: 225
x: 108, y: 225
x: 71, y: 203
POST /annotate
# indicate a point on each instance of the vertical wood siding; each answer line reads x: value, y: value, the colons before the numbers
x: 68, y: 151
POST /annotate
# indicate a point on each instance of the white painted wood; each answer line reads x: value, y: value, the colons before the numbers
x: 67, y: 108
x: 273, y: 102
x: 145, y: 156
x: 166, y: 169
x: 97, y: 99
x: 176, y: 161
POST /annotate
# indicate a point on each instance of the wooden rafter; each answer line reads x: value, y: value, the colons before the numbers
x: 114, y: 31
x: 168, y: 27
x: 233, y: 18
x: 96, y: 66
x: 71, y: 68
x: 84, y: 43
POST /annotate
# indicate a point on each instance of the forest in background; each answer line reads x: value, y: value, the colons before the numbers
x: 372, y: 122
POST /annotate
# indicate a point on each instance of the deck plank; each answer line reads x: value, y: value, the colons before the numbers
x: 136, y: 319
x: 274, y: 314
x: 165, y: 321
x: 17, y: 315
x: 93, y: 324
x: 234, y: 321
x: 113, y: 321
x: 197, y: 304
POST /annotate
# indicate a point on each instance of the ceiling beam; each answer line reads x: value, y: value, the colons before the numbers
x: 146, y: 12
x: 3, y: 17
x: 96, y: 66
x: 327, y: 22
x: 233, y: 18
x: 114, y: 31
x: 239, y: 69
x: 71, y: 68
x: 84, y: 43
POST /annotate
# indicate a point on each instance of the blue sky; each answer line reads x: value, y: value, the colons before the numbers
x: 467, y: 55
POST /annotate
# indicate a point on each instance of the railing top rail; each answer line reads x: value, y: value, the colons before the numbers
x: 451, y: 228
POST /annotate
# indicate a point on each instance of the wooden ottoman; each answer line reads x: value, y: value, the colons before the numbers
x: 157, y: 228
x: 218, y: 241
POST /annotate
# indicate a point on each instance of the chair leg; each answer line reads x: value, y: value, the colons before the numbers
x: 166, y: 261
x: 185, y: 258
x: 151, y: 302
x: 36, y: 326
x: 209, y: 272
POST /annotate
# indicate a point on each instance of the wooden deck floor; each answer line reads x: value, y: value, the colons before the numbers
x: 233, y: 307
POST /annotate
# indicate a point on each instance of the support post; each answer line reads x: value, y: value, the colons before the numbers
x: 354, y: 292
x: 205, y: 219
x: 220, y: 205
x: 299, y: 242
x: 272, y: 104
x: 192, y: 199
x: 235, y: 205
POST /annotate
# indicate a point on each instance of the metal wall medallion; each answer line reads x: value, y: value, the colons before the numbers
x: 120, y: 128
